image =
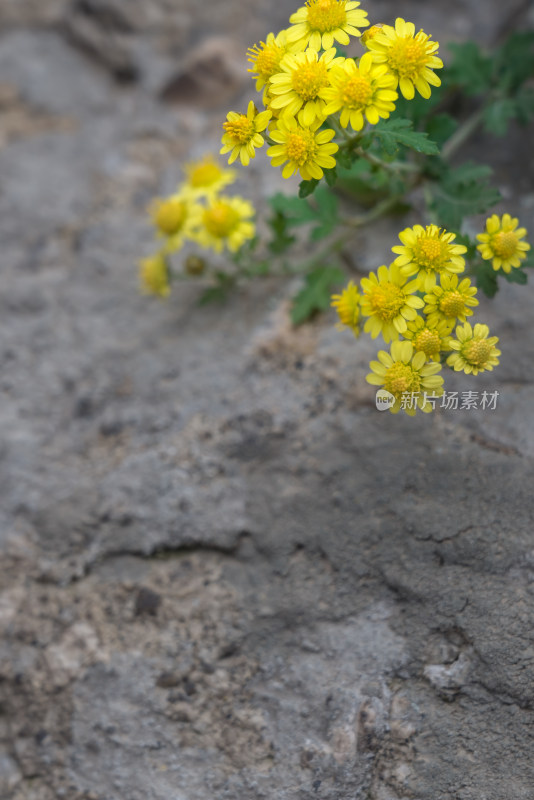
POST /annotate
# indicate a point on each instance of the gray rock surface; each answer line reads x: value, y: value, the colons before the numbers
x: 223, y: 573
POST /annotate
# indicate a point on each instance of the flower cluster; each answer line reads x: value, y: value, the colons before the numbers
x: 198, y: 212
x: 309, y: 91
x: 418, y: 301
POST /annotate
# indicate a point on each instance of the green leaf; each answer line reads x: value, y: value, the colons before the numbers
x: 498, y: 114
x: 461, y: 192
x: 281, y: 238
x: 486, y: 278
x: 219, y: 292
x: 307, y: 187
x: 315, y: 295
x: 345, y: 157
x: 330, y: 176
x: 516, y: 276
x: 327, y: 213
x: 470, y: 69
x: 296, y: 210
x: 515, y: 61
x: 462, y: 238
x: 395, y: 132
x: 524, y: 105
x: 440, y: 127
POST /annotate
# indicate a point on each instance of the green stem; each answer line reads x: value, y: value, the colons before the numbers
x: 462, y: 134
x: 394, y: 166
x: 380, y: 210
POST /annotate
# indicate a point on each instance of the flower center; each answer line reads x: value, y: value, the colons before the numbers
x: 428, y: 341
x: 401, y: 378
x: 169, y: 216
x: 356, y: 92
x: 407, y: 57
x: 326, y: 15
x: 266, y: 58
x: 301, y: 147
x: 477, y: 352
x: 241, y: 129
x: 504, y: 244
x: 452, y: 304
x: 204, y: 175
x: 309, y: 79
x: 221, y: 219
x: 430, y: 253
x: 386, y: 301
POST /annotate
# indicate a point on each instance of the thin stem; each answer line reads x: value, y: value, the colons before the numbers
x: 380, y: 210
x: 462, y: 134
x: 394, y: 166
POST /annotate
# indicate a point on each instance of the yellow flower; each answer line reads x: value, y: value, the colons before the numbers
x: 321, y: 22
x: 388, y: 301
x: 265, y: 57
x: 371, y: 32
x: 409, y: 56
x: 501, y: 242
x: 366, y: 89
x: 405, y: 375
x: 243, y: 133
x: 431, y: 339
x: 347, y: 305
x: 226, y: 221
x: 175, y: 218
x: 154, y: 275
x: 475, y: 351
x: 306, y: 149
x: 427, y: 253
x: 450, y: 301
x: 296, y: 87
x: 206, y: 177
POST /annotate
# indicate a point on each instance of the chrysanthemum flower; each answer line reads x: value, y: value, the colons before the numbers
x: 321, y: 22
x: 347, y: 305
x: 206, y: 177
x: 409, y: 56
x: 502, y: 242
x: 450, y: 301
x: 296, y: 87
x: 174, y: 218
x: 388, y: 301
x: 427, y: 253
x: 366, y: 89
x: 226, y: 221
x: 305, y: 148
x: 371, y: 32
x: 430, y: 339
x: 265, y: 57
x: 405, y: 374
x: 154, y: 275
x: 475, y: 351
x: 243, y: 133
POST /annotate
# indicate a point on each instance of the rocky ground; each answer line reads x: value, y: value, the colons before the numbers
x: 224, y: 574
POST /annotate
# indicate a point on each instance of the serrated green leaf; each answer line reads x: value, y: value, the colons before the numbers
x: 469, y: 69
x: 296, y: 210
x: 315, y: 295
x: 515, y: 61
x: 395, y: 132
x: 345, y: 157
x: 498, y: 114
x: 516, y: 276
x: 330, y: 176
x: 306, y: 188
x: 461, y: 192
x: 486, y: 278
x: 440, y: 127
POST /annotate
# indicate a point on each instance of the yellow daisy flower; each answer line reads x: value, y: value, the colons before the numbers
x: 175, y: 219
x: 206, y: 177
x: 305, y: 148
x: 154, y: 275
x: 406, y: 374
x: 388, y: 301
x: 427, y: 253
x: 321, y: 22
x: 431, y: 339
x: 265, y: 58
x: 243, y: 133
x: 296, y: 87
x: 366, y: 89
x: 347, y: 305
x: 409, y: 56
x: 371, y: 32
x: 450, y: 301
x: 226, y: 221
x: 475, y: 351
x: 501, y: 243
